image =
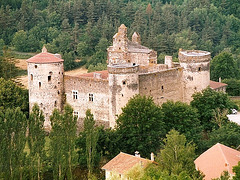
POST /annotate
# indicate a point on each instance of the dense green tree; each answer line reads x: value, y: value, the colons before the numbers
x: 20, y: 41
x: 177, y: 155
x: 91, y: 141
x: 12, y: 96
x: 36, y: 142
x: 13, y: 128
x: 227, y: 134
x: 8, y: 70
x: 233, y: 87
x: 224, y: 66
x: 62, y: 146
x: 206, y: 102
x: 140, y: 127
x: 236, y: 170
x: 183, y: 118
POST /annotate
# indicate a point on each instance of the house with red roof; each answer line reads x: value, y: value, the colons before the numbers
x: 121, y: 164
x: 219, y: 158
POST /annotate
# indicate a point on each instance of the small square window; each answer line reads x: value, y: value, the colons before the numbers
x: 90, y: 97
x: 75, y: 94
x: 75, y: 113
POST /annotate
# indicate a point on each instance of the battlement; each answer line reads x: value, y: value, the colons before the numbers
x: 123, y: 68
x: 194, y: 56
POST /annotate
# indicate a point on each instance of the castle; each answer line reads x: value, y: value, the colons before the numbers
x: 132, y: 69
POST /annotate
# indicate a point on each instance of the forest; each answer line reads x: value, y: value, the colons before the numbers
x: 81, y: 30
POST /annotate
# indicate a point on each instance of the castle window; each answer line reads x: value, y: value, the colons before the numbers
x: 58, y: 92
x: 75, y: 94
x: 31, y: 77
x: 162, y: 89
x: 55, y: 104
x: 40, y: 85
x: 90, y: 97
x: 119, y: 48
x: 199, y: 69
x: 35, y: 66
x: 75, y: 113
x: 49, y: 78
x: 124, y: 82
x: 50, y: 73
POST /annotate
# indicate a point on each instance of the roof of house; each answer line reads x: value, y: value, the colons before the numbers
x: 217, y: 159
x: 45, y: 57
x: 216, y: 85
x: 123, y: 162
x: 96, y: 74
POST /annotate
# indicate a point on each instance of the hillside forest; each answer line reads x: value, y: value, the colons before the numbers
x: 81, y: 31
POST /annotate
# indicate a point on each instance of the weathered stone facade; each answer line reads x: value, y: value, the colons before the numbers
x: 132, y: 69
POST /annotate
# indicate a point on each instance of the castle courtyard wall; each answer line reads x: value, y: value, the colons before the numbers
x: 163, y: 85
x: 99, y: 88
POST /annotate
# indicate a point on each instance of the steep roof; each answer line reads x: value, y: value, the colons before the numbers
x: 45, y: 57
x: 217, y: 159
x: 216, y: 85
x: 123, y: 162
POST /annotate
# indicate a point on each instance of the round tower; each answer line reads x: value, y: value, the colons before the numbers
x: 45, y: 83
x: 123, y: 84
x: 196, y: 71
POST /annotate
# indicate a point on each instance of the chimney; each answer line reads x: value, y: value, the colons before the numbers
x: 220, y: 79
x: 152, y: 156
x: 44, y: 49
x: 168, y: 61
x: 137, y: 154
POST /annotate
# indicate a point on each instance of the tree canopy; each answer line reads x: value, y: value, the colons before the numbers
x: 140, y: 127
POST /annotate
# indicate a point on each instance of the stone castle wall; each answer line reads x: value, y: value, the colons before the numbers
x: 163, y: 85
x: 123, y: 84
x: 85, y: 86
x: 46, y: 87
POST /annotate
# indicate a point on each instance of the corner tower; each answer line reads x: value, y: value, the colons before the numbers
x: 45, y: 82
x: 123, y: 84
x: 196, y: 71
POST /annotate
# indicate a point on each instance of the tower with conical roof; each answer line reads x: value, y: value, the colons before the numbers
x: 45, y: 82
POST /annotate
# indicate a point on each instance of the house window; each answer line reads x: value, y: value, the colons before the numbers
x: 75, y: 113
x: 75, y: 94
x: 31, y: 77
x: 49, y: 78
x: 90, y: 97
x: 40, y: 85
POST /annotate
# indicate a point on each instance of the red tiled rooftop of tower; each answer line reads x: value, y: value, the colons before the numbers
x: 45, y: 57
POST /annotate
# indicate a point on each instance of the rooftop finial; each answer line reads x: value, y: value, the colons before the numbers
x: 44, y: 49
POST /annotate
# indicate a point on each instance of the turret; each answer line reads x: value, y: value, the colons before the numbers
x: 196, y: 72
x: 45, y: 82
x: 123, y: 84
x: 136, y: 38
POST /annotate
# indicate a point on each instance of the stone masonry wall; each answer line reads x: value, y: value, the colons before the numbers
x: 163, y: 85
x: 85, y: 86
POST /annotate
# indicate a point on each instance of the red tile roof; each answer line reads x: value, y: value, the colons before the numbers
x: 103, y: 74
x: 123, y: 162
x: 217, y: 159
x: 45, y: 57
x: 216, y: 85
